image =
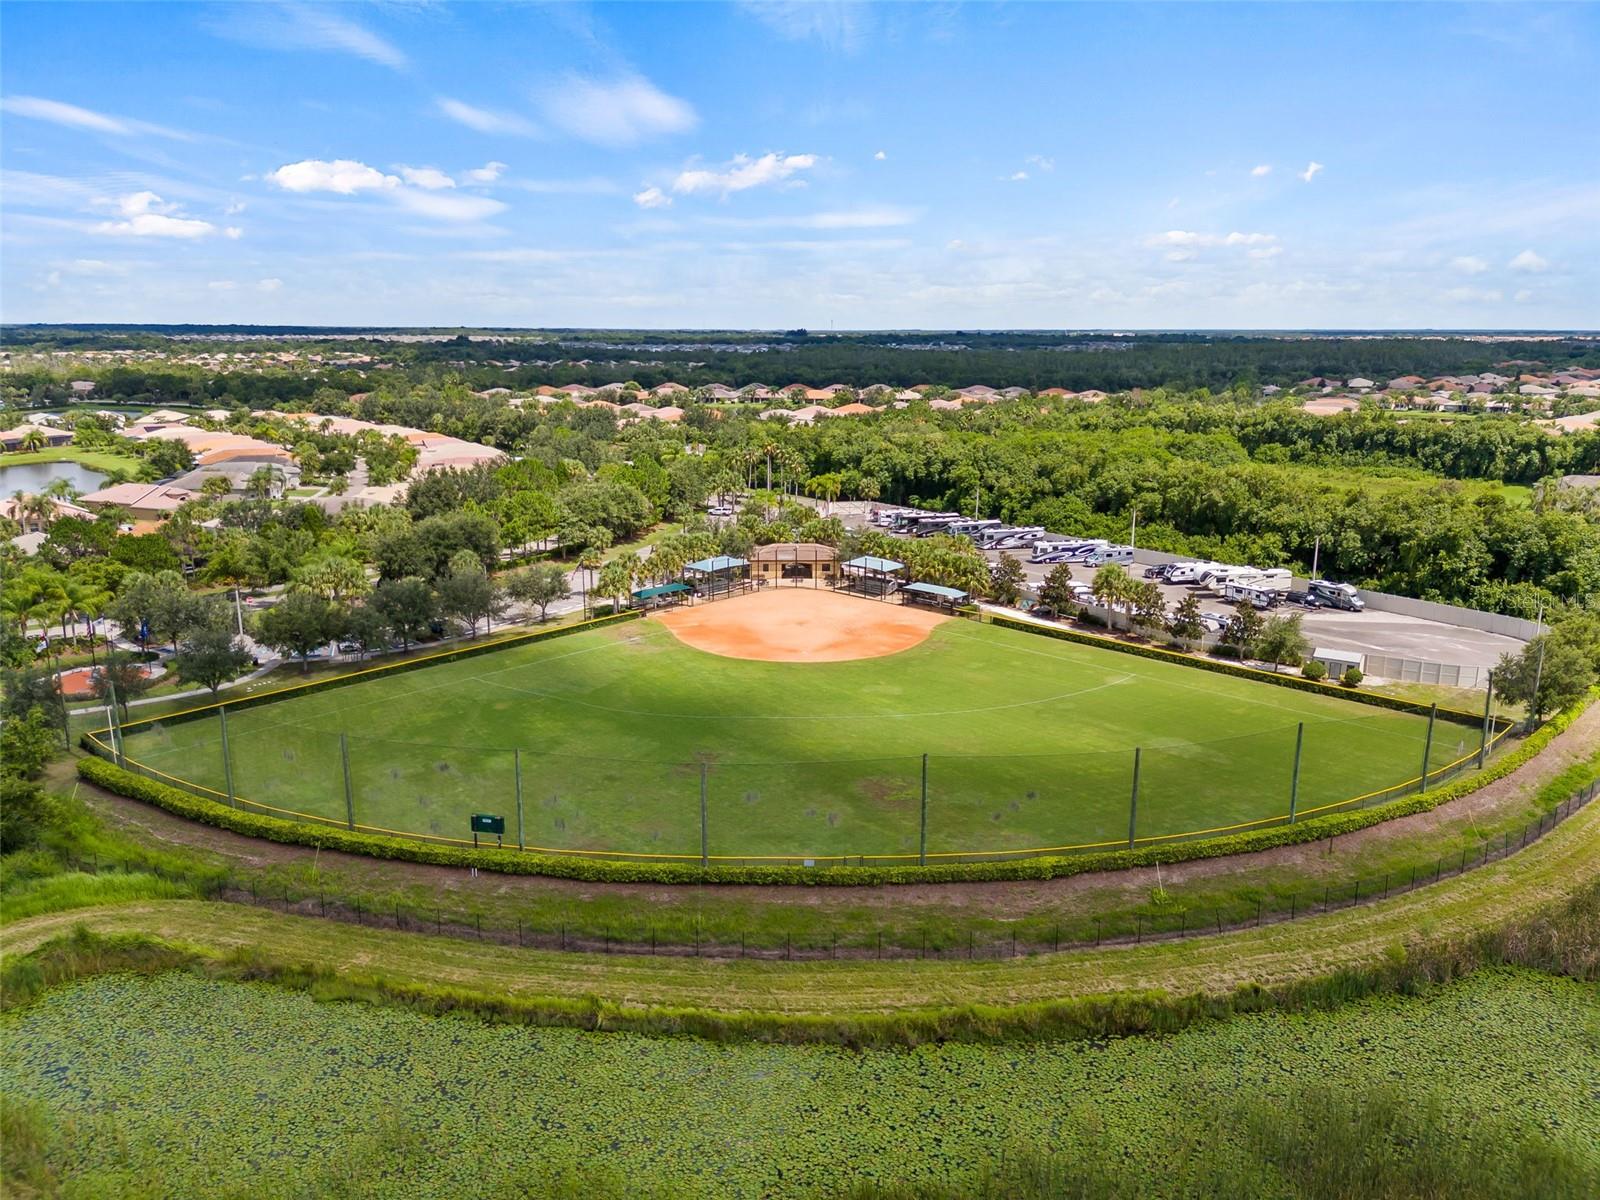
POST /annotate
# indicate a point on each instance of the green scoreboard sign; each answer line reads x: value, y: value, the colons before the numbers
x: 484, y: 823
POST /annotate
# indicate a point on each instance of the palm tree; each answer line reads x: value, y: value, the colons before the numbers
x: 1110, y: 586
x: 34, y: 440
x: 589, y: 562
x: 825, y: 488
x: 616, y: 578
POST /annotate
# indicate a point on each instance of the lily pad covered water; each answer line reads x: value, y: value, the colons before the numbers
x: 208, y: 1087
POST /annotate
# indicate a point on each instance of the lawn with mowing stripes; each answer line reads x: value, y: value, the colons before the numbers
x: 1030, y: 743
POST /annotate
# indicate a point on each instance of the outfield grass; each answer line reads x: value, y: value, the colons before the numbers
x: 1030, y: 744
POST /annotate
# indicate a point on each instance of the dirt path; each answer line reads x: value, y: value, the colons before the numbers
x: 1006, y: 900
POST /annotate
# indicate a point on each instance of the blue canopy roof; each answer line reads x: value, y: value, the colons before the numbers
x: 721, y: 562
x: 871, y: 562
x: 934, y: 589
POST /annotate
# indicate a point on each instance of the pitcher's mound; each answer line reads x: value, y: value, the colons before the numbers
x: 800, y: 624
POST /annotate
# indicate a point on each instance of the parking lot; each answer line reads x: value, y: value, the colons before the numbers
x: 1368, y: 632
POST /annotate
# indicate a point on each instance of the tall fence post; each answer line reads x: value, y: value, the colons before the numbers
x: 705, y: 842
x: 227, y: 758
x: 116, y: 727
x: 1294, y: 780
x: 516, y: 771
x: 1488, y: 705
x: 922, y: 838
x: 1133, y: 803
x: 349, y: 791
x: 1427, y: 746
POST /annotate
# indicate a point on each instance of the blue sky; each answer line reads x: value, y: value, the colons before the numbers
x: 775, y: 165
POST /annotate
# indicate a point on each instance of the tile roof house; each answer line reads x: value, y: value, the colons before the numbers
x: 11, y: 439
x: 147, y: 501
x: 13, y: 510
x: 854, y: 409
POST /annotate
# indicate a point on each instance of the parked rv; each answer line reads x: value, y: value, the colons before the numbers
x: 1189, y: 572
x: 1099, y: 556
x: 1251, y: 593
x: 1337, y: 595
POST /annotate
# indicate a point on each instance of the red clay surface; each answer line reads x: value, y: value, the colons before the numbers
x: 801, y: 624
x: 78, y: 683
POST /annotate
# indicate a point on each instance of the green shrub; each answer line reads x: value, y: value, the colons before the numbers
x: 1314, y: 671
x: 1352, y: 677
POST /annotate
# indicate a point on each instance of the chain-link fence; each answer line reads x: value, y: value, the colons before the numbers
x: 892, y: 809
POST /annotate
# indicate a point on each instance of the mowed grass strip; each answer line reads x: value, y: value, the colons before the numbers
x: 1030, y: 745
x: 1558, y: 867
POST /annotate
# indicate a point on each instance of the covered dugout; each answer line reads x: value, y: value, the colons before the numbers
x: 933, y: 595
x: 664, y: 596
x: 872, y: 576
x: 795, y: 562
x: 722, y: 575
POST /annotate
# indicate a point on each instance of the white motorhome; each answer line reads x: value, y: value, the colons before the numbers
x: 1101, y: 555
x: 973, y: 527
x: 1337, y: 595
x: 1056, y: 549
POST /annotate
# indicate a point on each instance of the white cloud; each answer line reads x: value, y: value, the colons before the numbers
x: 430, y: 178
x: 233, y: 233
x: 70, y: 115
x: 1185, y: 237
x: 622, y: 112
x: 443, y: 206
x: 268, y: 285
x: 145, y: 214
x: 234, y: 209
x: 294, y: 26
x: 1265, y: 252
x: 1041, y: 161
x: 1016, y: 177
x: 743, y: 172
x: 488, y: 173
x: 486, y: 120
x: 880, y: 217
x: 652, y: 197
x: 880, y: 156
x: 1311, y: 171
x: 1472, y: 295
x: 1529, y: 262
x: 1523, y: 296
x: 222, y: 285
x: 1179, y: 255
x: 1469, y: 264
x: 837, y: 24
x: 1263, y: 169
x: 343, y: 176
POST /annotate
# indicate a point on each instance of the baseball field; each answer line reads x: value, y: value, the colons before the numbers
x: 802, y: 718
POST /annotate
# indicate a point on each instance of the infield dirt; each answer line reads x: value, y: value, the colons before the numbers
x: 801, y: 625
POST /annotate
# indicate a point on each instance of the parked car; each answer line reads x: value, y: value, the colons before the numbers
x: 1296, y: 596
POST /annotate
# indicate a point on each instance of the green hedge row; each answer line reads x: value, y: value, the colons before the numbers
x: 383, y: 670
x: 185, y: 804
x: 1297, y: 682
